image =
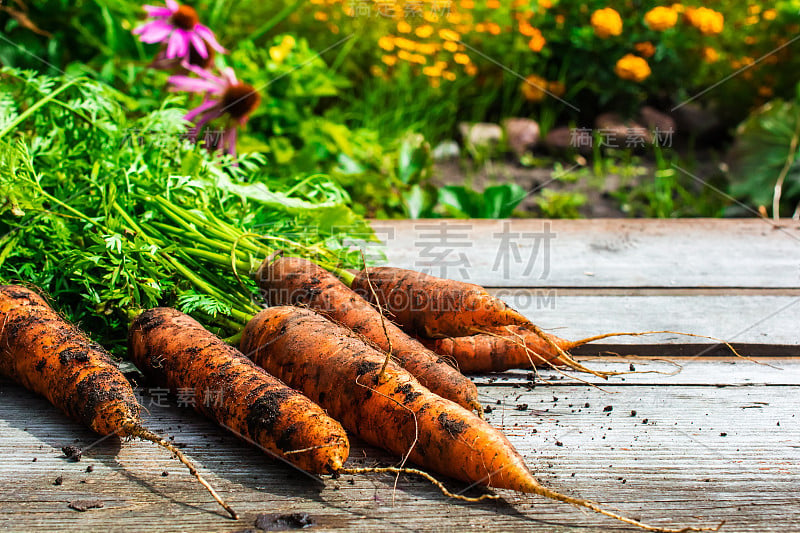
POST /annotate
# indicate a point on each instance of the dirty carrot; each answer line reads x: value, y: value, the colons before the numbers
x: 176, y: 351
x: 45, y: 354
x: 390, y: 409
x: 296, y: 281
x: 499, y: 349
x: 434, y: 307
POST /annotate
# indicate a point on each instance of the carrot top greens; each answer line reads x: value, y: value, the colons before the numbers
x: 89, y: 180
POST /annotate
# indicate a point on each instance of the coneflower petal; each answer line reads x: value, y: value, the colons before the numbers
x: 202, y: 108
x: 229, y: 76
x: 199, y: 44
x: 173, y: 5
x: 157, y: 11
x: 177, y: 46
x: 209, y: 38
x: 154, y: 32
x: 193, y: 85
x: 203, y: 73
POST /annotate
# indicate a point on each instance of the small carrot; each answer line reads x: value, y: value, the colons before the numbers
x: 296, y: 281
x: 390, y: 408
x: 178, y: 352
x: 47, y: 355
x: 499, y: 349
x: 434, y: 307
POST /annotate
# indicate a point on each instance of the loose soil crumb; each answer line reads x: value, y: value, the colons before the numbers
x: 522, y: 407
x: 72, y: 453
x: 59, y: 480
x: 608, y: 408
x: 85, y: 505
x: 283, y: 522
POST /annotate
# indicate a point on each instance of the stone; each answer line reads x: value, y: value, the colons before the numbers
x: 522, y: 134
x: 446, y: 150
x: 616, y: 132
x: 480, y: 135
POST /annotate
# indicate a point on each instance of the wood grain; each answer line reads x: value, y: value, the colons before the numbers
x: 602, y: 252
x: 677, y: 467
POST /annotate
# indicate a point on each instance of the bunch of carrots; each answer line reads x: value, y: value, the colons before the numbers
x: 375, y: 352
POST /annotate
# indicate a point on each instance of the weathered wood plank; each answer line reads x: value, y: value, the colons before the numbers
x: 676, y: 468
x: 742, y: 320
x: 600, y: 253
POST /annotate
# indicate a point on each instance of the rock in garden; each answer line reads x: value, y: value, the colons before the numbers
x: 522, y: 134
x: 564, y: 139
x: 654, y: 120
x: 616, y: 132
x: 480, y: 134
x: 446, y: 150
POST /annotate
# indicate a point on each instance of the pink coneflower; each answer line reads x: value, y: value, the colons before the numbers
x: 179, y: 27
x: 225, y: 96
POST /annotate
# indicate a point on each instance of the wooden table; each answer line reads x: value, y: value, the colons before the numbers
x: 693, y: 438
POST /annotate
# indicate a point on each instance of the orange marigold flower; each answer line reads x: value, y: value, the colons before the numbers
x: 633, y: 68
x: 449, y: 76
x: 537, y: 41
x: 766, y: 92
x: 423, y: 32
x: 493, y: 4
x: 389, y: 60
x: 708, y: 21
x: 770, y: 14
x: 557, y: 88
x: 606, y: 22
x: 450, y: 46
x: 461, y: 59
x: 710, y: 55
x: 661, y: 18
x: 386, y: 43
x: 646, y: 48
x: 471, y: 69
x: 534, y: 88
x: 545, y: 4
x: 403, y: 27
x: 494, y: 28
x: 320, y: 15
x: 449, y: 35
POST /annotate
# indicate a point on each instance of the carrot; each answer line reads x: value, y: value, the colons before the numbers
x: 295, y: 281
x: 47, y: 355
x: 390, y: 408
x: 177, y: 352
x: 434, y: 307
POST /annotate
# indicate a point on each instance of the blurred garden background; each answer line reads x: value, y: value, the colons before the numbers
x: 462, y: 108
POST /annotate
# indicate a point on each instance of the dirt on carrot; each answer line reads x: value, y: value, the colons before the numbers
x: 295, y: 281
x: 45, y: 354
x: 434, y: 307
x: 176, y: 351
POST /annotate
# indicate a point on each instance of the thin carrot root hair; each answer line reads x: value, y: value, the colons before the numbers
x: 413, y: 471
x: 581, y: 342
x: 588, y: 504
x: 383, y: 318
x: 132, y: 428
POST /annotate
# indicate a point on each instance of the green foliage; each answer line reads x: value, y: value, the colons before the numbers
x: 766, y: 153
x: 80, y: 177
x: 558, y: 204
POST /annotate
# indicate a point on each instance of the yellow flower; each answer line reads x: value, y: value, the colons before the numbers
x: 423, y: 32
x: 537, y: 41
x: 320, y: 15
x: 533, y: 88
x: 404, y: 55
x: 449, y: 76
x: 389, y: 60
x: 751, y: 20
x: 606, y: 23
x: 526, y: 29
x: 754, y: 9
x: 461, y: 59
x: 494, y: 28
x: 493, y: 4
x: 449, y: 35
x: 450, y: 46
x: 646, y: 49
x: 708, y: 21
x: 545, y: 4
x: 432, y: 72
x: 403, y: 27
x: 710, y: 55
x: 376, y: 71
x: 769, y: 14
x: 427, y: 49
x: 467, y: 4
x: 678, y: 8
x: 288, y: 42
x: 386, y: 43
x: 278, y: 53
x: 471, y: 69
x: 405, y: 44
x: 661, y: 18
x: 631, y: 67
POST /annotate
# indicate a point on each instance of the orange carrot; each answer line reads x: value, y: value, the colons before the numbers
x: 176, y: 351
x: 390, y: 408
x: 48, y: 356
x: 434, y: 307
x: 295, y: 281
x: 501, y: 349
